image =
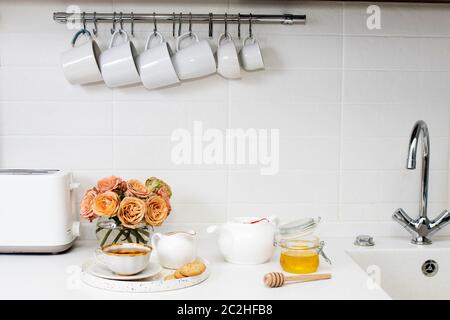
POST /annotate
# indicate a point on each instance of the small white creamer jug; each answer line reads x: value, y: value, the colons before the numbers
x: 175, y: 249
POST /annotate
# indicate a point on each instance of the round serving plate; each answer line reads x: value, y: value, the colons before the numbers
x: 154, y: 283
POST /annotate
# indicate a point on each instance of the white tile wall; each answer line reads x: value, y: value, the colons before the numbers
x: 343, y: 97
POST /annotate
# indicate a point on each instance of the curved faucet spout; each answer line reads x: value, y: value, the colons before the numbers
x: 420, y: 127
x: 422, y: 228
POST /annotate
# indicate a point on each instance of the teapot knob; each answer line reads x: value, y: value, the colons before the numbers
x: 212, y: 229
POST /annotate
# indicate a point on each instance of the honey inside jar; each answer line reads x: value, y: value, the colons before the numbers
x: 299, y: 256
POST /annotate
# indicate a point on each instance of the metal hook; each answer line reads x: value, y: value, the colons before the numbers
x: 239, y: 25
x: 113, y: 29
x: 83, y: 19
x: 180, y: 20
x: 226, y: 24
x: 173, y: 24
x: 250, y: 31
x: 121, y: 21
x: 190, y: 24
x: 94, y: 19
x: 132, y: 24
x: 155, y: 28
x: 210, y: 25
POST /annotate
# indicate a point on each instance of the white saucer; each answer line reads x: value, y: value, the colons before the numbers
x: 103, y: 272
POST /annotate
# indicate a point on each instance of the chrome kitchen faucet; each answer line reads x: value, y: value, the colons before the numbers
x: 421, y: 228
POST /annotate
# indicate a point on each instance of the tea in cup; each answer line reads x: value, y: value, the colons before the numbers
x: 125, y: 258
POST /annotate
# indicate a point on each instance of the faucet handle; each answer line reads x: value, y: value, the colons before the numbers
x: 401, y: 217
x: 440, y: 221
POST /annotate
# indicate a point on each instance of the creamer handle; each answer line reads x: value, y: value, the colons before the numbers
x: 155, y: 239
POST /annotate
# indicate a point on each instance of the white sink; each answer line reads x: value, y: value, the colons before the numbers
x: 399, y: 270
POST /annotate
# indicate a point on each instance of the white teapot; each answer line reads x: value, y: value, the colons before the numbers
x: 175, y: 249
x: 246, y: 240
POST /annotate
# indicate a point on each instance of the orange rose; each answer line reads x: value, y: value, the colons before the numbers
x: 132, y: 211
x: 106, y: 204
x: 157, y: 210
x: 86, y: 205
x: 135, y: 188
x: 109, y: 184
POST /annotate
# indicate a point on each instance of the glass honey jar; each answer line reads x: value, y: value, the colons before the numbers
x: 300, y: 248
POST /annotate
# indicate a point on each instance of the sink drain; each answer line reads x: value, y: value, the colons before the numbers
x: 430, y: 268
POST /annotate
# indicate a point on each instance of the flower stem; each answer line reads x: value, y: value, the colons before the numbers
x: 128, y: 238
x: 105, y: 238
x: 118, y: 236
x: 138, y: 236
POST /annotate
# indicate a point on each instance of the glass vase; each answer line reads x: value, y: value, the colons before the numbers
x: 110, y: 231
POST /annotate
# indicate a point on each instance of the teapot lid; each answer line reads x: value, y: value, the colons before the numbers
x: 298, y: 228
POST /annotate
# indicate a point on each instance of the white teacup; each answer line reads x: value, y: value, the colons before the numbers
x: 125, y: 258
x: 118, y: 63
x: 251, y: 57
x: 227, y: 58
x: 80, y: 63
x: 155, y: 64
x: 194, y: 61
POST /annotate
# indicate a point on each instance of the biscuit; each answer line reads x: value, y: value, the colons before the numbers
x: 192, y: 269
x: 170, y: 277
x: 179, y: 275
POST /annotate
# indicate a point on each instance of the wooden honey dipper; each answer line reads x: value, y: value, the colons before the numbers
x: 277, y: 279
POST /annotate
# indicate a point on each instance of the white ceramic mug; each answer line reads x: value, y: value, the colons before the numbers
x: 174, y: 249
x: 251, y: 57
x: 194, y: 61
x: 80, y: 63
x: 155, y: 64
x: 118, y: 63
x: 125, y: 258
x: 227, y: 58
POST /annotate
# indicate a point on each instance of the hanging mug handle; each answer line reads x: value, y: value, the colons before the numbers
x: 249, y: 38
x: 154, y: 34
x: 184, y: 36
x: 83, y: 32
x: 114, y: 36
x: 224, y: 36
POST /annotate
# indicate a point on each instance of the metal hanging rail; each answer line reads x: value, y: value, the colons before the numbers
x: 98, y: 17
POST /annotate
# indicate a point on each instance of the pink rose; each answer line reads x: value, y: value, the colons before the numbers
x: 86, y: 206
x: 109, y: 184
x: 165, y: 195
x: 137, y: 189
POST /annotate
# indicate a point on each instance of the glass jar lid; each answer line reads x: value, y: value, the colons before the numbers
x: 298, y: 228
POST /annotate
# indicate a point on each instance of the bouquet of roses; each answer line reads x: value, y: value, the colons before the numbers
x: 128, y: 203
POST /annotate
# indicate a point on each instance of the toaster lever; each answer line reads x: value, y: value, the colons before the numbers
x: 74, y: 185
x: 76, y: 229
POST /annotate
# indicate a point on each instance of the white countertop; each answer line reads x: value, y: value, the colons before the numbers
x: 57, y: 277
